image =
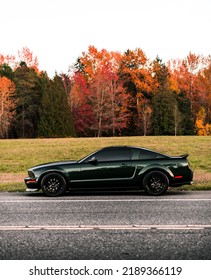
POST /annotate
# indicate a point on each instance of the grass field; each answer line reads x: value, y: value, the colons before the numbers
x: 16, y: 156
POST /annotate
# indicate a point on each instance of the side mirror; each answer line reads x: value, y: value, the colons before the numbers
x: 93, y: 161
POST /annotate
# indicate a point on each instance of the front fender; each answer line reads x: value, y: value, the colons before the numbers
x: 57, y: 170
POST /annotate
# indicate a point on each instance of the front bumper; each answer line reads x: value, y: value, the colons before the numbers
x: 31, y: 184
x: 32, y: 190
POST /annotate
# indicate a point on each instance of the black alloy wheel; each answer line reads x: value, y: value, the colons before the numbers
x: 155, y: 183
x: 53, y: 184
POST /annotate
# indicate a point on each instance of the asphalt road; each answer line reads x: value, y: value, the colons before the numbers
x: 101, y: 226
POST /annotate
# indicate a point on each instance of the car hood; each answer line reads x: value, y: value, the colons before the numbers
x: 53, y: 164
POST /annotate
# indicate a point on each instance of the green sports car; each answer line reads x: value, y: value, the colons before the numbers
x: 114, y: 168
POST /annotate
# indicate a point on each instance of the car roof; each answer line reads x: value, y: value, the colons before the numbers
x: 132, y: 147
x: 125, y: 147
x: 115, y: 147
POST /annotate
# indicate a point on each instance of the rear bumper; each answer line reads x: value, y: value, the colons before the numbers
x: 179, y: 184
x: 183, y: 177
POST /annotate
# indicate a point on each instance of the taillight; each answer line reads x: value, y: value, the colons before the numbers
x: 178, y: 177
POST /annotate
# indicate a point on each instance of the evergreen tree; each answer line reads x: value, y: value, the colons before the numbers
x: 28, y: 95
x: 55, y: 115
x: 165, y: 110
x: 161, y: 74
x: 6, y: 71
x: 184, y: 106
x: 163, y: 113
x: 136, y: 79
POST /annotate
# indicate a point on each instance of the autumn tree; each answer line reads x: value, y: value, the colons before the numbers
x: 83, y: 116
x: 186, y: 72
x: 92, y: 61
x: 98, y: 90
x: 108, y: 103
x: 204, y: 86
x: 192, y: 66
x: 145, y: 111
x: 202, y: 128
x: 7, y: 106
x: 8, y: 60
x: 27, y: 56
x: 118, y: 100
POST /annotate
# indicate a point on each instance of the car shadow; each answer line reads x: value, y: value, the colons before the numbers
x: 87, y: 193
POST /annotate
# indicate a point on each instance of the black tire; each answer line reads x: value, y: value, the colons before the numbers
x: 155, y: 182
x: 53, y: 184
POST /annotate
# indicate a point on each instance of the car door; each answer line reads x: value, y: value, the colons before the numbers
x: 107, y: 166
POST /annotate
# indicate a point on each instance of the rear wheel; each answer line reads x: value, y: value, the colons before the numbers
x: 155, y: 182
x: 53, y: 184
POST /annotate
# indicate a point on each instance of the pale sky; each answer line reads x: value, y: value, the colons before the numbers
x: 58, y: 31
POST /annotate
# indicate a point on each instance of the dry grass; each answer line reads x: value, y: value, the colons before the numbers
x: 11, y: 178
x: 16, y: 156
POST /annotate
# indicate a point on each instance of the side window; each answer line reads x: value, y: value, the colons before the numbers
x: 114, y: 154
x: 144, y: 154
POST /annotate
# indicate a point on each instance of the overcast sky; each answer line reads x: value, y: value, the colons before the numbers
x: 58, y: 31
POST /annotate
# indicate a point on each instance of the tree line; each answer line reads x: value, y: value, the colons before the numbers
x: 105, y: 94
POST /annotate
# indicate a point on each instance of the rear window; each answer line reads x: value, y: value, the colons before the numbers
x: 144, y: 154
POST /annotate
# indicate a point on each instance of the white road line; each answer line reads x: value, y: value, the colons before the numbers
x: 104, y: 200
x: 106, y: 227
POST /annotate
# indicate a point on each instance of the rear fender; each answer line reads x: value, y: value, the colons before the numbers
x: 159, y: 167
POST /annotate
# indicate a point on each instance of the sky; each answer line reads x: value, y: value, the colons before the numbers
x: 58, y: 31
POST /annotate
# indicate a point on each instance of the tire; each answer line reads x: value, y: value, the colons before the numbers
x: 53, y: 184
x: 155, y: 183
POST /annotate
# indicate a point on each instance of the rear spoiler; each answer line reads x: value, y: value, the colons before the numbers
x: 184, y: 156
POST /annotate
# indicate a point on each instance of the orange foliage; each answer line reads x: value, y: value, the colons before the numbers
x: 202, y: 129
x: 184, y: 74
x: 110, y: 86
x: 134, y: 67
x: 7, y: 105
x: 24, y: 55
x: 8, y: 59
x: 27, y: 56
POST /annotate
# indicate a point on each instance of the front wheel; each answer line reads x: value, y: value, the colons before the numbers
x: 155, y: 183
x: 53, y: 184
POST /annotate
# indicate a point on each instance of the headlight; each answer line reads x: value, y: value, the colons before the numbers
x: 31, y: 174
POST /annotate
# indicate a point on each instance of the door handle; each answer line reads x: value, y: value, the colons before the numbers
x: 123, y: 165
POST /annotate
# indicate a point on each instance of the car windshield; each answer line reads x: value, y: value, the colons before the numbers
x: 86, y: 157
